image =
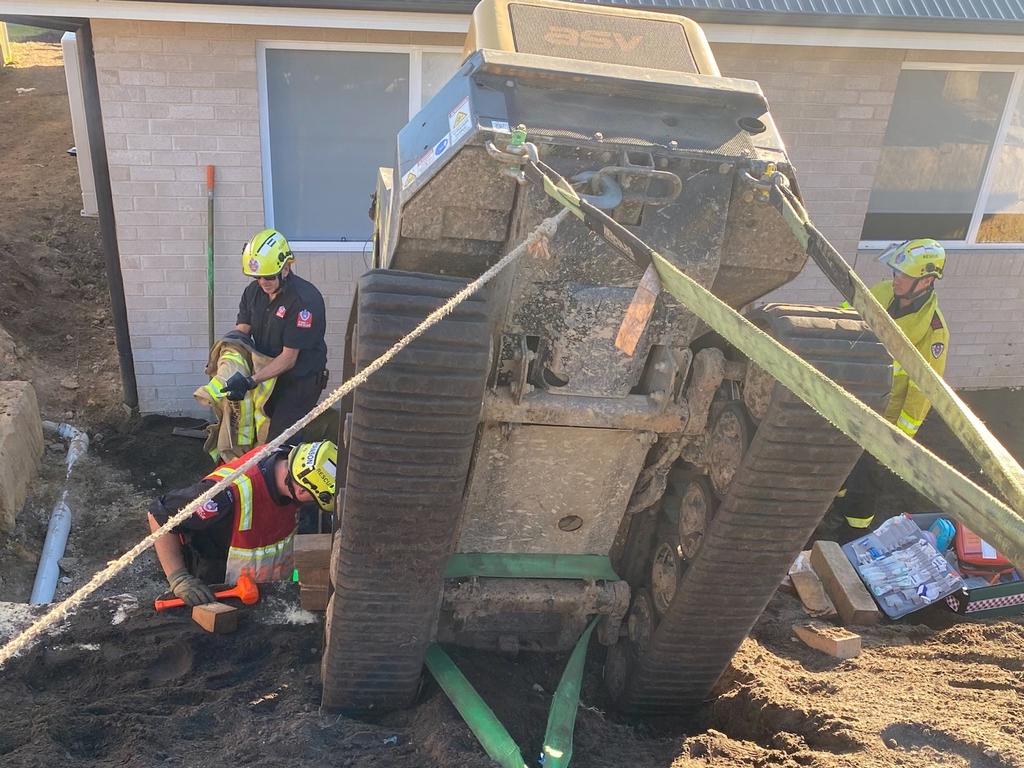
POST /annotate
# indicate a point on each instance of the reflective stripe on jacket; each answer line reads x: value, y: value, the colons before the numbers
x: 262, y: 531
x: 243, y: 424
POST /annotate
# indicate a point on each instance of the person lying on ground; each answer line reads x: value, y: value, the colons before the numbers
x: 249, y: 527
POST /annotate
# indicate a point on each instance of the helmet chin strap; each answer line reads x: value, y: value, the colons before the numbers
x: 914, y: 294
x: 291, y: 487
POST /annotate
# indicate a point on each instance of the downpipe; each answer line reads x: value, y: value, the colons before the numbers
x: 60, y: 518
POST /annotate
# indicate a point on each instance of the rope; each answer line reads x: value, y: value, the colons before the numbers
x: 543, y: 231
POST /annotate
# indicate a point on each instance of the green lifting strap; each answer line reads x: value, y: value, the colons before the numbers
x: 530, y: 566
x: 564, y: 705
x: 489, y: 731
x: 480, y: 718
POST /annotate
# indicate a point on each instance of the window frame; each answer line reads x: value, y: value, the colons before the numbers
x: 415, y: 54
x: 988, y: 175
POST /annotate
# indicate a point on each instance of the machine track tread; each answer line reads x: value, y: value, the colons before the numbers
x: 795, y: 465
x: 414, y: 424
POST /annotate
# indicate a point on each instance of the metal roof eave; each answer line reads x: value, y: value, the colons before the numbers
x: 920, y: 16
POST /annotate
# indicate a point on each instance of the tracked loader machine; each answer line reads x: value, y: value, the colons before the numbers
x: 516, y: 472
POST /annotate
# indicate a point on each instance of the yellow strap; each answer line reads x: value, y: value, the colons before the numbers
x: 925, y: 471
x: 995, y: 460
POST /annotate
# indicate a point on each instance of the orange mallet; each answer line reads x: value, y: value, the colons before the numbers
x: 245, y: 590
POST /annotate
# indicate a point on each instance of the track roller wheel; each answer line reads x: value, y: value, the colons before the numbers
x: 727, y: 444
x: 697, y: 505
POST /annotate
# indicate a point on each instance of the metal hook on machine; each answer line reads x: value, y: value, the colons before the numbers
x: 609, y: 194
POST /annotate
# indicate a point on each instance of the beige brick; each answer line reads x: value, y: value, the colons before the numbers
x: 174, y: 127
x: 168, y: 94
x: 145, y: 141
x: 215, y: 95
x: 144, y: 110
x: 191, y: 112
x: 164, y: 62
x: 141, y: 77
x: 192, y: 79
x: 174, y: 158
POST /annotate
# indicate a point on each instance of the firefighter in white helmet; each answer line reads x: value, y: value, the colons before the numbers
x: 910, y: 300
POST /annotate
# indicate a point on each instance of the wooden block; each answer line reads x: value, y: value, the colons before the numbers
x: 314, y: 598
x: 216, y: 617
x: 314, y: 577
x: 835, y: 641
x: 812, y: 594
x: 312, y: 550
x: 843, y: 585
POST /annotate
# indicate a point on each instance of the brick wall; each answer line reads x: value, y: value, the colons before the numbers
x: 179, y: 96
x: 175, y: 98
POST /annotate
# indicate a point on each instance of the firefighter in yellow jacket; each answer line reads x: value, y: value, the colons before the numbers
x: 910, y: 300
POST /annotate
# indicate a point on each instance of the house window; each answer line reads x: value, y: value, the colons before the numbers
x: 952, y: 164
x: 330, y: 118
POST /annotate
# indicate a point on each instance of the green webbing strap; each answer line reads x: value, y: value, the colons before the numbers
x: 489, y: 731
x: 530, y: 566
x: 925, y: 471
x: 564, y: 705
x: 480, y: 718
x: 994, y: 459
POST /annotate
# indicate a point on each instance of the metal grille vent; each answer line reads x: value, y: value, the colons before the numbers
x: 601, y: 37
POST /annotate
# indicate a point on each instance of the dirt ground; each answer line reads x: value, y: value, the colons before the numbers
x: 119, y: 685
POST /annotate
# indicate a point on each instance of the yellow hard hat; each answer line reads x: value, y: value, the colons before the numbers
x: 314, y: 467
x: 923, y: 257
x: 265, y: 254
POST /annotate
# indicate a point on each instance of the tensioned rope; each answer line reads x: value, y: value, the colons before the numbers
x: 542, y: 231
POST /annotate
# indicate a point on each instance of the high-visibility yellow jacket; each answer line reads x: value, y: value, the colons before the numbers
x: 926, y: 328
x: 243, y: 424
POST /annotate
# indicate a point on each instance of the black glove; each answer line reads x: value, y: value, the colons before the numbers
x: 190, y: 588
x: 238, y: 385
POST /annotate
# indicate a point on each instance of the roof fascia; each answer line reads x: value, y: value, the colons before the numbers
x: 408, y: 21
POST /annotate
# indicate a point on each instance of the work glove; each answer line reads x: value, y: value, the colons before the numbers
x: 238, y: 385
x: 190, y: 588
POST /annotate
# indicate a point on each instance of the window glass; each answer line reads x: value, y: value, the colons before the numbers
x: 1003, y: 217
x: 438, y: 67
x: 334, y: 118
x: 941, y: 131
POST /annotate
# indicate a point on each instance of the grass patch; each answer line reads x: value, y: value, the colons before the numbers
x: 22, y: 33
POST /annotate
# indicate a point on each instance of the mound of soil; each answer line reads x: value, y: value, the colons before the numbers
x: 155, y: 689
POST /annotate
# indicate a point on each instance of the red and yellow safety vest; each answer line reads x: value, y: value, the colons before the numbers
x: 262, y: 531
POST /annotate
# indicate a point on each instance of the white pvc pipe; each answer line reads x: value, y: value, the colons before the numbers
x: 60, y: 518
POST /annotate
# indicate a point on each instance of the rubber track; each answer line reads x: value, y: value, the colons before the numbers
x: 794, y: 467
x: 413, y: 429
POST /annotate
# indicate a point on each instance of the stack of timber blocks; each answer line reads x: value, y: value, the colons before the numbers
x: 313, y: 561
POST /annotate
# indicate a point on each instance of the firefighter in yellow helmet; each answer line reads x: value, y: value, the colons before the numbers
x: 249, y: 527
x: 286, y: 318
x: 910, y: 300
